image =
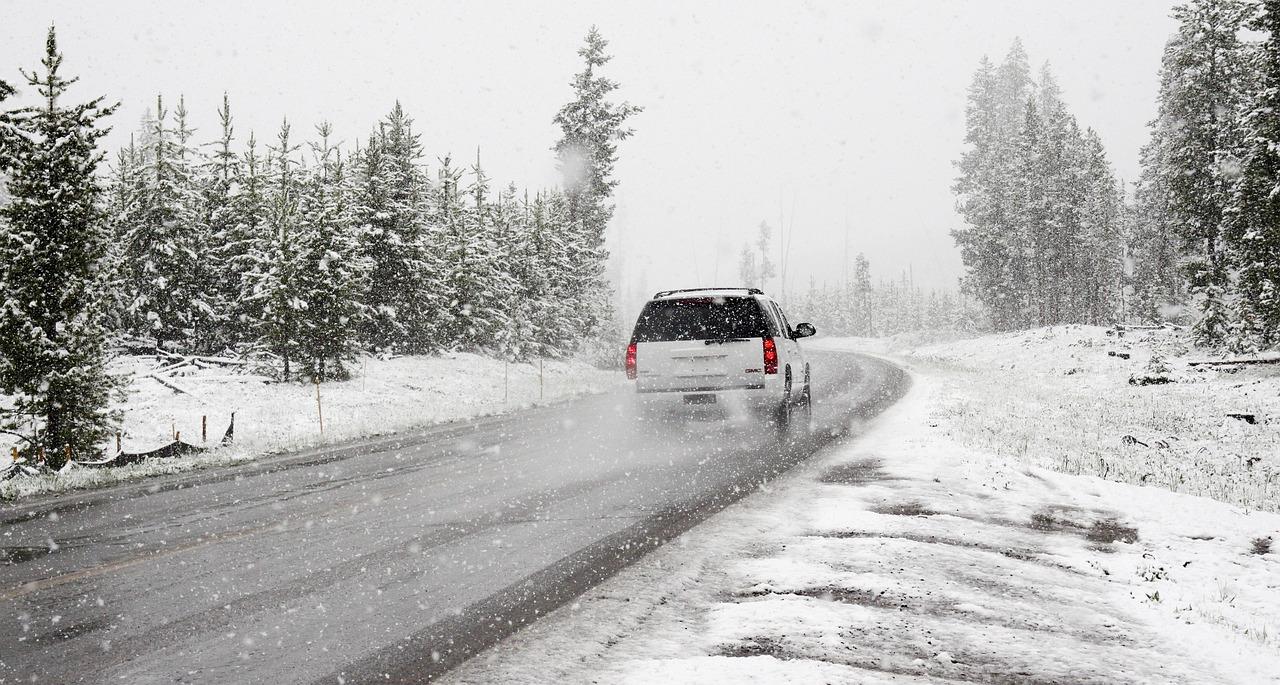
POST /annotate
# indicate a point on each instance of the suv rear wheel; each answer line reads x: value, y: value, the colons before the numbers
x: 783, y: 414
x: 803, y: 417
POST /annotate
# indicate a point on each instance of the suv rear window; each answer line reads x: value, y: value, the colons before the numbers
x: 701, y: 318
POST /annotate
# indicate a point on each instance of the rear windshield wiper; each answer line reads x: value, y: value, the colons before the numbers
x: 722, y: 341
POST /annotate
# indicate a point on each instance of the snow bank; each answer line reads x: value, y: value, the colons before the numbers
x: 385, y: 396
x: 1061, y: 397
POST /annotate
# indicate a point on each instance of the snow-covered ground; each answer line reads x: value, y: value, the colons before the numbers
x: 1061, y: 397
x: 385, y: 396
x: 942, y: 546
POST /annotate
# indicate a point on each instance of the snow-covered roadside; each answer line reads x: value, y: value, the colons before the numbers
x: 385, y: 396
x: 904, y: 556
x: 1061, y: 397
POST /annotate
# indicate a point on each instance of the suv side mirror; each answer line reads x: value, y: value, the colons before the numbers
x: 804, y: 330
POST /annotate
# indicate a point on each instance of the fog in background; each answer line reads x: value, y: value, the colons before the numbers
x: 844, y: 116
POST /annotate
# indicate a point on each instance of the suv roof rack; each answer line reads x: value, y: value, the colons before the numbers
x: 664, y: 293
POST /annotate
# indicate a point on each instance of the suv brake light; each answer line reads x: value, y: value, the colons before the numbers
x: 631, y: 361
x: 770, y: 356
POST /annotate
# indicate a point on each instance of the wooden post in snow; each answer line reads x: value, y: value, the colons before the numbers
x: 204, y: 428
x: 319, y: 407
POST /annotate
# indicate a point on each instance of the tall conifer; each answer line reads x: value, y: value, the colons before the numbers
x: 53, y: 240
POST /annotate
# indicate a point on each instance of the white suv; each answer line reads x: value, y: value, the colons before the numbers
x: 729, y: 347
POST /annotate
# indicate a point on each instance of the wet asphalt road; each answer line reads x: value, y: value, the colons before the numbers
x: 390, y: 560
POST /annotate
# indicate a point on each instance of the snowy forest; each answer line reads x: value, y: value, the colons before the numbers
x: 1043, y: 212
x: 1049, y: 235
x: 867, y: 308
x: 1205, y: 222
x: 290, y: 247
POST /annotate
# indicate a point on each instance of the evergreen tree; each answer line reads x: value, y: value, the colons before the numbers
x: 572, y: 285
x: 1027, y: 239
x: 330, y: 273
x: 168, y: 279
x: 862, y: 324
x: 52, y: 242
x: 556, y: 319
x: 1099, y: 266
x: 1254, y: 228
x: 518, y: 262
x: 992, y: 242
x: 1042, y: 212
x: 390, y: 205
x: 591, y: 125
x: 207, y: 315
x: 123, y: 193
x: 229, y: 241
x: 276, y: 281
x: 1201, y: 95
x: 1154, y: 245
x: 462, y: 285
x: 482, y: 284
x: 1062, y: 269
x: 243, y: 244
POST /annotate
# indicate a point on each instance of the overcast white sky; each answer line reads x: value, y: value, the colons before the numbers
x: 833, y: 112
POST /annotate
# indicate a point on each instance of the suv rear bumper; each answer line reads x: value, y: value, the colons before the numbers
x: 711, y: 389
x: 729, y: 401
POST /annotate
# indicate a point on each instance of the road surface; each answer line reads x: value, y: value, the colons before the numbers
x: 392, y: 559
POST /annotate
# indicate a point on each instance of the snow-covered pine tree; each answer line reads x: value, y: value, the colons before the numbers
x: 863, y: 323
x: 1061, y: 269
x: 591, y: 125
x: 1201, y: 96
x: 166, y: 273
x: 515, y: 257
x: 1154, y: 245
x: 1028, y: 209
x: 1254, y: 227
x: 53, y: 239
x: 122, y: 190
x: 241, y: 249
x: 208, y: 313
x: 390, y: 205
x: 488, y: 283
x: 567, y: 322
x: 551, y: 314
x: 993, y: 242
x: 330, y: 272
x: 1099, y: 264
x: 230, y: 238
x: 277, y: 261
x: 456, y: 283
x: 1038, y: 201
x: 980, y: 195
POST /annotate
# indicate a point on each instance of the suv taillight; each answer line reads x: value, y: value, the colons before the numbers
x: 770, y: 356
x: 631, y: 361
